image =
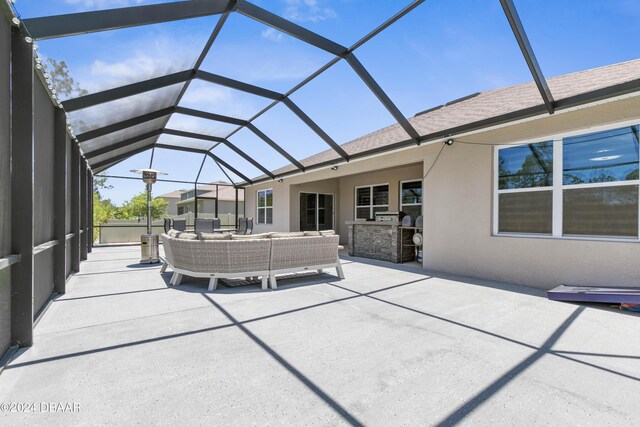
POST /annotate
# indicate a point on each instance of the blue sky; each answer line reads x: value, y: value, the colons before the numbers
x: 441, y: 51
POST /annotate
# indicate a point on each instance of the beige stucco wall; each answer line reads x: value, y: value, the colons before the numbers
x: 458, y: 207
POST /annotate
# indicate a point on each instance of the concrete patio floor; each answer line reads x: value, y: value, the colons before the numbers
x: 385, y: 346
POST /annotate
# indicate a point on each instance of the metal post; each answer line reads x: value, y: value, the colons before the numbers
x: 75, y: 208
x: 60, y: 198
x: 148, y: 208
x: 195, y: 202
x: 22, y: 189
x: 217, y: 201
x: 84, y: 237
x: 237, y: 217
x: 91, y: 237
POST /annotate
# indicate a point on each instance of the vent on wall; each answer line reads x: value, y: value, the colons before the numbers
x: 455, y: 101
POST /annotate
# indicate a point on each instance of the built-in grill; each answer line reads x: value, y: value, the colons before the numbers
x: 389, y: 216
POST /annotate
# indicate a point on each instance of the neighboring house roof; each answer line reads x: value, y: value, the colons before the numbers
x: 226, y: 192
x: 173, y: 194
x: 482, y: 107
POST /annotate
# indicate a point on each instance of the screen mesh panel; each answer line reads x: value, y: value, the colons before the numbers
x: 99, y: 159
x: 118, y: 110
x: 235, y: 160
x: 197, y: 125
x: 116, y: 137
x: 601, y: 211
x: 341, y: 104
x: 5, y: 184
x: 43, y: 190
x: 42, y: 279
x: 294, y: 136
x: 528, y: 212
x: 178, y: 141
x: 259, y: 150
x: 213, y: 98
x: 461, y: 63
x: 254, y: 53
x: 343, y: 22
x: 111, y: 59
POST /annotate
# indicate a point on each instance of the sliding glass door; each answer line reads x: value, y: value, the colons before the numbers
x: 316, y: 211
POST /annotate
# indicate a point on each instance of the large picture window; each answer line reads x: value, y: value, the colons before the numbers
x: 265, y: 207
x: 594, y: 193
x: 371, y: 199
x: 411, y: 198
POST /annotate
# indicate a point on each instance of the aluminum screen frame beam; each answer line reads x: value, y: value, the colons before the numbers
x: 22, y: 190
x: 275, y: 146
x: 337, y: 59
x: 256, y: 13
x: 229, y: 144
x: 122, y: 144
x: 528, y: 53
x: 314, y: 127
x: 127, y: 90
x: 111, y: 19
x: 192, y: 135
x: 237, y: 85
x: 115, y: 127
x: 384, y: 99
x: 210, y: 116
x: 208, y: 153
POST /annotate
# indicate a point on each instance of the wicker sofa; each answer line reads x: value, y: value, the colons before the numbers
x: 264, y: 256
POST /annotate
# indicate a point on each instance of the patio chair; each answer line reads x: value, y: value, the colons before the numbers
x: 249, y: 229
x: 180, y: 224
x: 167, y: 225
x: 204, y: 225
x: 242, y: 225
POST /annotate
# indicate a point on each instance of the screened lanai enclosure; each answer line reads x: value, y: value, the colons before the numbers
x: 193, y: 91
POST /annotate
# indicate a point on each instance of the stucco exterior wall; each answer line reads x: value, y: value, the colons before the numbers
x: 458, y: 206
x: 458, y: 211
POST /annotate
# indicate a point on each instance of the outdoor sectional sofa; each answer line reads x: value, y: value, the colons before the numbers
x: 248, y: 256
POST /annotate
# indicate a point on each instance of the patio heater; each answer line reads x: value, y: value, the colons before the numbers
x: 149, y: 243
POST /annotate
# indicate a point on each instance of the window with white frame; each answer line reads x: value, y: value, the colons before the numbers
x: 411, y: 197
x: 265, y: 207
x: 371, y: 199
x: 593, y: 193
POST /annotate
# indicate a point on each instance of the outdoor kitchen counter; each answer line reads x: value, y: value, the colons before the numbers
x: 378, y: 240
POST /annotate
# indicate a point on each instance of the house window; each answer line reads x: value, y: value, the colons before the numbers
x: 265, y: 207
x: 371, y: 199
x: 600, y: 184
x: 411, y: 198
x: 594, y: 191
x: 525, y: 179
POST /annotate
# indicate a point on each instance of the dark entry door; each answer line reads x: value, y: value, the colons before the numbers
x: 316, y: 211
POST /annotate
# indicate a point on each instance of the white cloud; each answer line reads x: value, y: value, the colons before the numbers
x: 272, y: 34
x: 210, y: 94
x: 147, y: 60
x: 308, y: 11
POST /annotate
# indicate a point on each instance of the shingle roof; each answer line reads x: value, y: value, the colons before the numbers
x: 482, y: 106
x: 226, y: 191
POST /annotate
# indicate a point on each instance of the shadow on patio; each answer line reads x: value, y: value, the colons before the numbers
x: 383, y: 346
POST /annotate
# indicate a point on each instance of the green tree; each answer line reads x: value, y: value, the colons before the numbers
x: 65, y: 86
x: 137, y: 207
x: 103, y: 209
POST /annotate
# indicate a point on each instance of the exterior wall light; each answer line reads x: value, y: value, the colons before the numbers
x: 334, y: 168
